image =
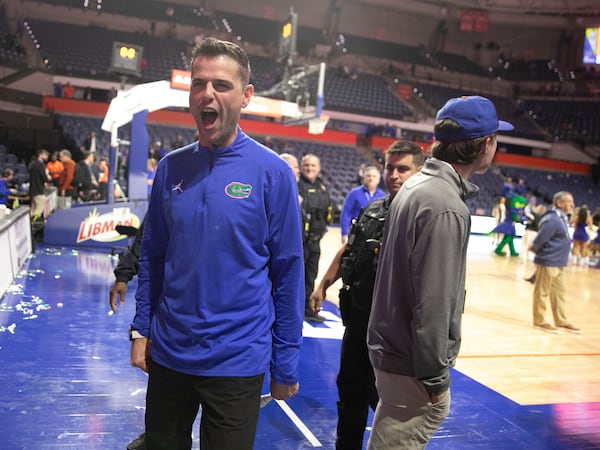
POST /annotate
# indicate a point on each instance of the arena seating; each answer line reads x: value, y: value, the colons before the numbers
x: 143, y: 9
x: 340, y: 164
x: 69, y: 52
x: 540, y: 183
x: 266, y: 72
x: 11, y: 52
x: 361, y: 93
x: 521, y: 70
x: 544, y: 184
x: 457, y: 63
x: 78, y: 128
x: 11, y: 161
x: 507, y: 109
x: 569, y: 120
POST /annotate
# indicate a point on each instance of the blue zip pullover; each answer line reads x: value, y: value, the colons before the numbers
x: 221, y: 281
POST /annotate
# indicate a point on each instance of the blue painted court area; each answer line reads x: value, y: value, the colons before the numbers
x: 67, y: 382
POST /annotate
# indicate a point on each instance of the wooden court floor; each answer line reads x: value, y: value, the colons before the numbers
x: 67, y: 383
x: 500, y: 348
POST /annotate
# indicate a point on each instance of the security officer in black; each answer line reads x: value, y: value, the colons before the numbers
x: 316, y: 215
x: 356, y: 263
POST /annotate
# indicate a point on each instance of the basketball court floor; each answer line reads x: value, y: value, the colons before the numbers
x: 66, y: 382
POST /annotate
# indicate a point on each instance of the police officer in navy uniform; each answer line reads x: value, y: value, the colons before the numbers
x: 316, y: 215
x: 356, y: 263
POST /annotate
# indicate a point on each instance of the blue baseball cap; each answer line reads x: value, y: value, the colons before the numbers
x: 476, y: 116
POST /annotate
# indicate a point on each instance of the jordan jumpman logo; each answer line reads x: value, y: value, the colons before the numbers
x: 178, y: 187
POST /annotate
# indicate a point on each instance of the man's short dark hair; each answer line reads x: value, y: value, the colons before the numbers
x: 212, y: 47
x: 406, y: 148
x: 460, y: 152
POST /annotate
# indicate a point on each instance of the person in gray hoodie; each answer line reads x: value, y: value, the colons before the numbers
x: 414, y: 329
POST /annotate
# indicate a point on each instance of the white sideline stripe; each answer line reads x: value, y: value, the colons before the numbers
x: 299, y: 424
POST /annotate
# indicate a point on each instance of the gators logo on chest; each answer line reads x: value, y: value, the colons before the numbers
x: 235, y: 189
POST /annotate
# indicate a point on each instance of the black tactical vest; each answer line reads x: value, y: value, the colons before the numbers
x: 359, y: 260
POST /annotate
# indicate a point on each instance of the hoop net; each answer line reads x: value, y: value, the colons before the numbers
x: 318, y: 124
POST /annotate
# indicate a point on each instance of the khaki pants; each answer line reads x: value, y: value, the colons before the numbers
x: 549, y: 288
x: 37, y: 206
x: 404, y: 418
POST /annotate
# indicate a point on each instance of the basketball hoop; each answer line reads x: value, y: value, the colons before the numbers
x: 318, y: 124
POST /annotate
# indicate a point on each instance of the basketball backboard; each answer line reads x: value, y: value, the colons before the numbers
x: 303, y: 86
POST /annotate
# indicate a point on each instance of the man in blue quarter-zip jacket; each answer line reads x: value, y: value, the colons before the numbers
x: 221, y: 284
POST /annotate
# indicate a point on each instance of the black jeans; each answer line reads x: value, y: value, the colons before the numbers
x: 356, y: 384
x: 230, y: 407
x: 312, y: 253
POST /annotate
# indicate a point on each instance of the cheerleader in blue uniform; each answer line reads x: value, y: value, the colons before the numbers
x: 581, y: 219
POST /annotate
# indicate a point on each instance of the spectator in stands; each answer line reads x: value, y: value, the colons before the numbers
x: 508, y: 188
x: 358, y: 198
x: 68, y: 90
x: 5, y: 190
x: 66, y: 179
x: 58, y: 89
x: 55, y: 169
x: 414, y: 329
x: 38, y: 177
x: 390, y: 130
x: 521, y: 187
x: 316, y: 215
x: 552, y: 246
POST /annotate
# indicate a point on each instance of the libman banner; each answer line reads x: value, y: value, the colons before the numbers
x: 93, y: 225
x: 102, y: 227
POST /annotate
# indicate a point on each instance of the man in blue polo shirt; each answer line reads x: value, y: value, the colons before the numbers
x: 358, y: 198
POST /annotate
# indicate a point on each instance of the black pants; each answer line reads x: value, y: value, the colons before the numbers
x: 312, y: 253
x: 230, y: 407
x: 356, y: 384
